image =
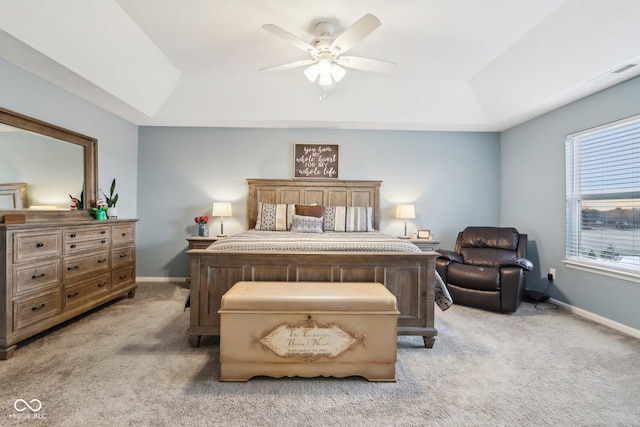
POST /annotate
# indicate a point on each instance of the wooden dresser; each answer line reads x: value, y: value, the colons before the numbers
x: 53, y: 271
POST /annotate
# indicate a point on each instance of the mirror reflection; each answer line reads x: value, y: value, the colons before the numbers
x: 52, y: 169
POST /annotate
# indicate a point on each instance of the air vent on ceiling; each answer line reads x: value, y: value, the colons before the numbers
x: 623, y: 68
x: 614, y: 72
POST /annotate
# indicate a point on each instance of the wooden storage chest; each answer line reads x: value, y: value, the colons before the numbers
x: 308, y: 329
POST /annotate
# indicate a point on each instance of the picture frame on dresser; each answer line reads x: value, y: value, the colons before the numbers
x: 424, y: 234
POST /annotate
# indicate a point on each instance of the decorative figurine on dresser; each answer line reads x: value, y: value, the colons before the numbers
x: 57, y: 262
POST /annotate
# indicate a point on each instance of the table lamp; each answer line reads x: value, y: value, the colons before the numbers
x: 405, y: 212
x: 221, y: 209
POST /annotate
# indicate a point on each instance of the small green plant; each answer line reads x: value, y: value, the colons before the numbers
x: 112, y: 198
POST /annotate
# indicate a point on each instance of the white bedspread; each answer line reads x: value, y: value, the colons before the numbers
x: 279, y: 241
x: 287, y: 241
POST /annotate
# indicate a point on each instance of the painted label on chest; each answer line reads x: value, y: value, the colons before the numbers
x: 309, y: 340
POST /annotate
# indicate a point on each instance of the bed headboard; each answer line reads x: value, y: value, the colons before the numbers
x: 321, y: 192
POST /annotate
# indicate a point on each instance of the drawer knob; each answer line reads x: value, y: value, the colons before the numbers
x: 123, y: 255
x: 103, y: 241
x: 73, y: 235
x: 124, y: 276
x: 73, y: 295
x: 75, y: 267
x: 124, y: 234
x: 102, y: 284
x: 39, y: 276
x: 103, y: 232
x: 100, y: 261
x: 73, y: 246
x: 39, y: 245
x: 43, y: 305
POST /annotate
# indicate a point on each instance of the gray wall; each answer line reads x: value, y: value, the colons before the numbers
x: 533, y: 200
x: 117, y: 138
x: 453, y: 178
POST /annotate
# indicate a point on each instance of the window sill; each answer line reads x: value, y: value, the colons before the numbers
x: 603, y: 270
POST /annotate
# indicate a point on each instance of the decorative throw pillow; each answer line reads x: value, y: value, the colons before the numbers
x: 359, y: 219
x: 274, y: 217
x: 348, y: 218
x: 310, y: 210
x: 306, y: 224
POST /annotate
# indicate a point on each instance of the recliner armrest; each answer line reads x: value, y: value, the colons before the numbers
x: 450, y: 255
x: 518, y: 262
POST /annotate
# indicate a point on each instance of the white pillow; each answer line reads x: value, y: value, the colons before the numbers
x: 306, y: 224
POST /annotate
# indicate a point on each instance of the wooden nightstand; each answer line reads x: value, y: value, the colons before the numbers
x: 426, y: 245
x: 197, y: 242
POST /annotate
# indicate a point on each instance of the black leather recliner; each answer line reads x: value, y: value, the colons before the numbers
x: 487, y: 268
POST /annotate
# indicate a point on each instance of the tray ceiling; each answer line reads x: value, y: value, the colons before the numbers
x: 460, y: 65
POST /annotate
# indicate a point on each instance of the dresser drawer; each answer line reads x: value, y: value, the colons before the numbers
x: 32, y: 246
x: 72, y: 247
x: 122, y: 256
x: 122, y: 278
x: 31, y: 277
x: 85, y: 233
x: 123, y: 234
x: 77, y: 266
x: 27, y: 311
x: 86, y: 291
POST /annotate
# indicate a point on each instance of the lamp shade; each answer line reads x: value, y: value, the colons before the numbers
x: 221, y: 209
x: 405, y: 211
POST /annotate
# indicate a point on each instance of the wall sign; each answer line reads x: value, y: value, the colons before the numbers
x: 315, y: 161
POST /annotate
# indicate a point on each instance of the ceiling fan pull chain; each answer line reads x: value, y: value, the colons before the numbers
x: 323, y: 95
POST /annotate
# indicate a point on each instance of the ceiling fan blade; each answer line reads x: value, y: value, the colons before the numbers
x: 290, y: 65
x: 288, y: 37
x: 366, y: 64
x: 355, y: 33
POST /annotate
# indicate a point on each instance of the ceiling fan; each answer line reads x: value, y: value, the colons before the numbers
x: 326, y: 62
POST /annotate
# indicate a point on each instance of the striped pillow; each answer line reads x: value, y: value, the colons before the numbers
x: 348, y: 218
x: 274, y: 217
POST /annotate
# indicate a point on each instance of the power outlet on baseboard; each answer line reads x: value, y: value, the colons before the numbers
x: 552, y: 274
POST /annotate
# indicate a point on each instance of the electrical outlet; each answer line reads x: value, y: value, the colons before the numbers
x: 552, y: 274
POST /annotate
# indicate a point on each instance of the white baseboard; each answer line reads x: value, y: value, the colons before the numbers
x: 598, y: 319
x: 161, y: 279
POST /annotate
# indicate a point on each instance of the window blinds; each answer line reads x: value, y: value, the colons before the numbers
x: 603, y: 195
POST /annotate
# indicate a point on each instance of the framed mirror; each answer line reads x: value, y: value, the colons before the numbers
x: 51, y: 163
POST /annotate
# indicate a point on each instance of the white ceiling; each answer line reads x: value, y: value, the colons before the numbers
x: 460, y: 64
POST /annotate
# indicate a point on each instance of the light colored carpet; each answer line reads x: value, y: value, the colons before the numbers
x: 130, y: 363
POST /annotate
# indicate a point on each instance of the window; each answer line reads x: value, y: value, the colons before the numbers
x: 603, y: 198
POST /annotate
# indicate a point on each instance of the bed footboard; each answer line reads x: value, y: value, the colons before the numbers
x: 409, y: 276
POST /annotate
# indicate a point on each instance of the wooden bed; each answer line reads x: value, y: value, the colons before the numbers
x: 409, y: 276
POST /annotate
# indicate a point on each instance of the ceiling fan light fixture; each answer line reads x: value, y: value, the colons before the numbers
x: 325, y: 80
x: 324, y: 67
x: 312, y: 73
x: 326, y: 51
x: 337, y: 72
